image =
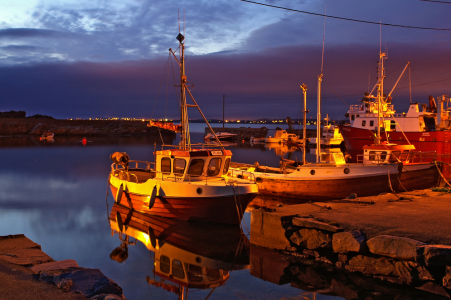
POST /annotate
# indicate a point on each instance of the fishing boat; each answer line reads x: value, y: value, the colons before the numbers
x: 331, y: 136
x: 186, y: 181
x: 221, y: 135
x: 281, y: 136
x: 428, y: 128
x: 187, y: 255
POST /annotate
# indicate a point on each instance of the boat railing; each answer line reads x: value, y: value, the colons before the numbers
x: 136, y: 163
x: 411, y: 157
x: 234, y: 173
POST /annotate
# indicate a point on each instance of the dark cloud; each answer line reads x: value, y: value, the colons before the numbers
x: 265, y: 84
x: 14, y: 33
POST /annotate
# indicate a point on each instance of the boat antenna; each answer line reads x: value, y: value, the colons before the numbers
x: 318, y: 116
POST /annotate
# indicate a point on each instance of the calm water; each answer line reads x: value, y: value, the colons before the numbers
x: 54, y: 193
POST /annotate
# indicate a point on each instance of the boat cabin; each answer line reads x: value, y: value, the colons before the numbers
x: 388, y: 153
x: 192, y: 165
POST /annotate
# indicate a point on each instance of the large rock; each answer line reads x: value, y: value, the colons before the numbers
x: 407, y: 271
x: 56, y: 265
x: 89, y: 282
x: 350, y: 241
x: 268, y: 229
x: 396, y: 247
x: 437, y: 255
x: 311, y: 239
x: 19, y: 250
x: 314, y: 224
x: 371, y: 265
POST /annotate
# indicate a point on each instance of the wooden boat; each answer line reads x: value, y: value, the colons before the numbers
x: 184, y: 182
x: 47, y: 136
x: 187, y: 254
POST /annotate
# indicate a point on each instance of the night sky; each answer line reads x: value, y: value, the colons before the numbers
x: 108, y: 58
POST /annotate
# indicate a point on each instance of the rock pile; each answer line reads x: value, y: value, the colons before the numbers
x: 389, y: 258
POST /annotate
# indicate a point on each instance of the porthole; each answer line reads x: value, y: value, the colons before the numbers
x: 198, y: 259
x: 199, y: 191
x: 346, y: 171
x: 312, y: 172
x: 259, y: 180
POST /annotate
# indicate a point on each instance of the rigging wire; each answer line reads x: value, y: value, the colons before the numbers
x: 347, y: 19
x: 436, y: 1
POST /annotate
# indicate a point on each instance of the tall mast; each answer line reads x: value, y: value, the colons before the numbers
x: 304, y: 123
x: 380, y: 94
x: 318, y: 121
x: 185, y: 143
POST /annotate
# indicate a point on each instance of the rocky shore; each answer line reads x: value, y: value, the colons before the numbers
x: 372, y: 237
x: 37, y: 127
x: 26, y: 272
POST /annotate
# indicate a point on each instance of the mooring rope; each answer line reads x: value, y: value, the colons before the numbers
x: 442, y: 174
x: 237, y: 209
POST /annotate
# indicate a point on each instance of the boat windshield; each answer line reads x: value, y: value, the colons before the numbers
x: 179, y: 166
x: 196, y: 167
x: 226, y: 166
x: 214, y: 167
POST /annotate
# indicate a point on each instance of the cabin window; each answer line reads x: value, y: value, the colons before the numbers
x: 214, y: 167
x: 394, y: 156
x: 352, y: 117
x: 226, y: 166
x: 194, y: 273
x: 371, y: 123
x: 213, y: 274
x: 378, y: 155
x: 364, y: 123
x: 196, y: 167
x: 179, y: 166
x: 177, y: 269
x: 404, y: 156
x: 166, y: 165
x: 392, y: 125
x: 165, y: 264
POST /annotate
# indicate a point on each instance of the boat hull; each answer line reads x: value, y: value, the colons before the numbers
x: 223, y: 210
x: 333, y: 189
x: 420, y: 176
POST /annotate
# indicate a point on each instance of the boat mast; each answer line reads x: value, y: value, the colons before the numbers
x: 185, y: 138
x: 380, y: 94
x: 318, y: 121
x: 304, y: 124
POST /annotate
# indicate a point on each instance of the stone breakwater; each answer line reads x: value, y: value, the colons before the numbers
x: 37, y: 127
x: 393, y: 259
x: 66, y: 275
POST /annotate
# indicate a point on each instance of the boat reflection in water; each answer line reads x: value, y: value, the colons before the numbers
x: 188, y: 254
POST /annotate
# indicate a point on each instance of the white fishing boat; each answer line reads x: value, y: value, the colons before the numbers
x: 221, y: 135
x: 186, y: 182
x: 331, y: 136
x: 281, y: 136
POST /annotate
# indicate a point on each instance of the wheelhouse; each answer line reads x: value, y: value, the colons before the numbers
x: 192, y: 165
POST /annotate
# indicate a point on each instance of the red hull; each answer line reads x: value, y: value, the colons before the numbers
x: 213, y: 210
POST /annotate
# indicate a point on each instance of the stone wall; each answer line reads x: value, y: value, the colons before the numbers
x: 388, y: 258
